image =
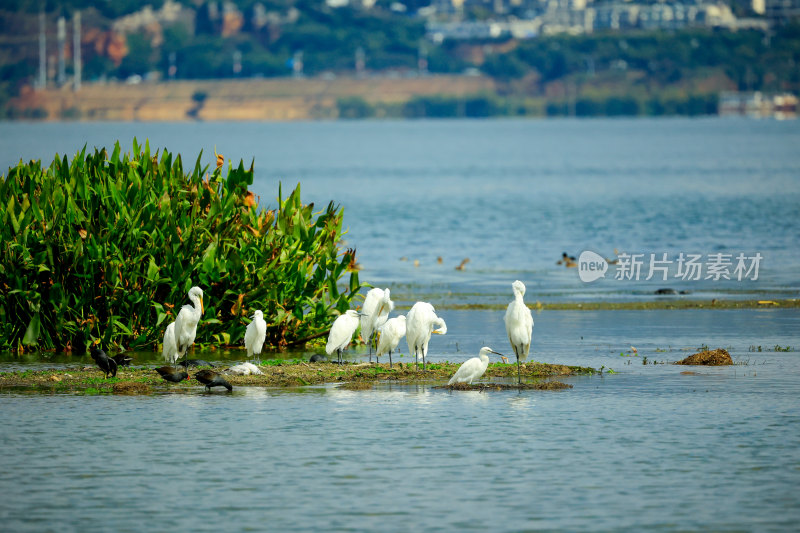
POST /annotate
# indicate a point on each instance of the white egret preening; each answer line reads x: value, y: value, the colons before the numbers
x: 519, y: 324
x: 245, y: 369
x: 375, y: 313
x: 420, y: 321
x: 391, y: 332
x: 342, y: 333
x: 472, y: 369
x: 182, y: 332
x: 255, y: 334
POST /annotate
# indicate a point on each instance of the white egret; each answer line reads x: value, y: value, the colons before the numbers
x: 519, y: 324
x: 255, y: 334
x: 391, y: 332
x: 170, y: 349
x: 472, y: 369
x: 342, y: 333
x: 374, y: 313
x: 185, y: 325
x: 420, y: 321
x: 245, y: 369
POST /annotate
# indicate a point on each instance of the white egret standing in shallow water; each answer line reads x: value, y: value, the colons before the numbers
x: 391, y: 333
x: 342, y: 333
x: 472, y: 369
x: 374, y: 313
x: 420, y: 321
x: 182, y: 332
x: 255, y: 334
x: 519, y: 325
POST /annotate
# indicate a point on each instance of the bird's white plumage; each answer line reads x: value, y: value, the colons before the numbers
x: 245, y: 369
x: 472, y: 369
x: 170, y: 348
x: 420, y: 323
x: 519, y: 322
x: 186, y: 321
x: 255, y: 334
x: 375, y: 311
x: 342, y: 332
x: 391, y: 332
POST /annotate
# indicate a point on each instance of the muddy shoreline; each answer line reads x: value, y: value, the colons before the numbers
x: 145, y: 380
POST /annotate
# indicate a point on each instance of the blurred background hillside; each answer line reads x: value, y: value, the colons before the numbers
x: 300, y: 59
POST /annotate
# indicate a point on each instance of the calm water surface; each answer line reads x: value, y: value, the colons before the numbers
x: 510, y: 195
x: 644, y: 448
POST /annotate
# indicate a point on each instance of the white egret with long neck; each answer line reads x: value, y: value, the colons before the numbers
x: 472, y: 369
x: 341, y: 333
x: 255, y: 334
x: 519, y: 325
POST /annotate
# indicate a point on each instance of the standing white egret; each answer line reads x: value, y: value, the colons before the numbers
x: 420, y: 321
x: 170, y: 348
x: 391, y: 332
x: 255, y: 334
x: 519, y: 324
x: 342, y: 333
x: 374, y: 313
x: 472, y: 369
x: 185, y: 325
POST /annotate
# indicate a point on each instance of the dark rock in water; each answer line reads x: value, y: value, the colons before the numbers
x: 122, y: 359
x: 666, y: 291
x: 318, y: 358
x: 718, y: 357
x: 209, y: 378
x: 195, y: 362
x: 685, y: 292
x: 170, y: 373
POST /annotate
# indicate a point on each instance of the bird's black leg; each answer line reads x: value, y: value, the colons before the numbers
x: 519, y: 376
x: 416, y: 360
x: 390, y: 359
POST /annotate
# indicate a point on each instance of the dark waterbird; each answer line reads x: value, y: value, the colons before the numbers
x: 122, y: 359
x: 106, y: 364
x: 170, y: 373
x: 209, y: 378
x: 195, y: 362
x: 318, y: 358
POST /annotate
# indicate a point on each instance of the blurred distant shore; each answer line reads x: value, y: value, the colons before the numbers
x: 321, y: 98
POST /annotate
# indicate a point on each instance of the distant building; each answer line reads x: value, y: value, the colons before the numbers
x: 781, y: 11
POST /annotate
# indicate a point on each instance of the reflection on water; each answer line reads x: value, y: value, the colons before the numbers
x: 646, y: 448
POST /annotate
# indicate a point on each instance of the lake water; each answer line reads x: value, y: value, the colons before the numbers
x: 512, y: 195
x: 645, y: 448
x: 648, y: 447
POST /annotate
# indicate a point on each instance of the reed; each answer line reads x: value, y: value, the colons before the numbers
x: 106, y: 246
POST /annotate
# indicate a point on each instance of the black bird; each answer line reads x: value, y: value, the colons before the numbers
x: 122, y: 359
x: 170, y: 373
x: 318, y: 358
x: 106, y: 364
x: 209, y: 378
x: 194, y: 362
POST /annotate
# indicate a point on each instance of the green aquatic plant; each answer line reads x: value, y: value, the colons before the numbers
x: 106, y: 246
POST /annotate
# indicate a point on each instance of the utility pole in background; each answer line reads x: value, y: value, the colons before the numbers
x: 42, y: 84
x: 61, y: 36
x: 76, y: 51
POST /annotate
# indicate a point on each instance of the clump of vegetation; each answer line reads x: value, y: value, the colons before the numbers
x: 107, y: 246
